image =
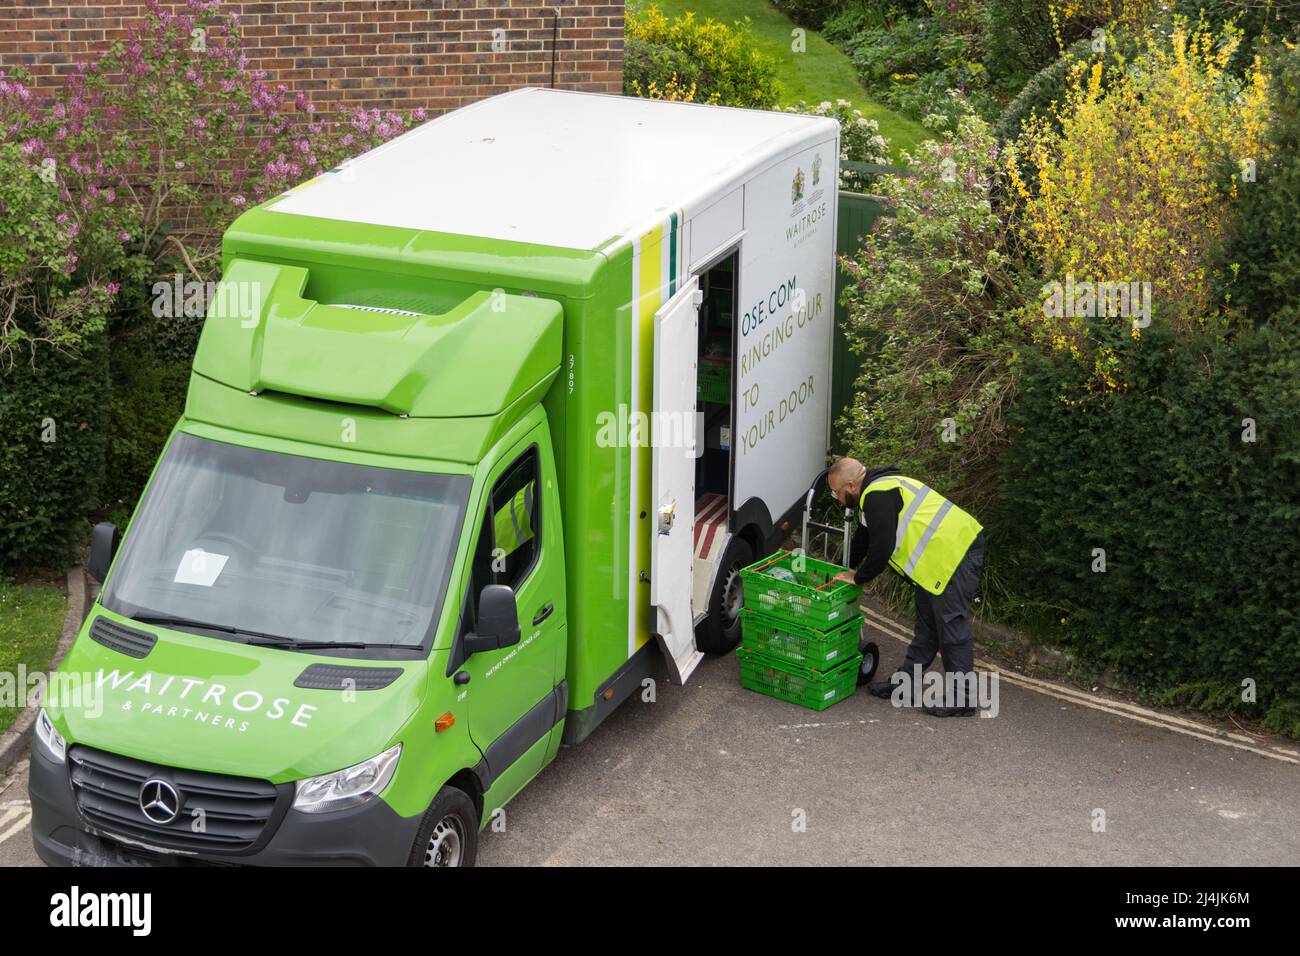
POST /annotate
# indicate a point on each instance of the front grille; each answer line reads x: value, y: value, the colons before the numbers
x: 237, y: 813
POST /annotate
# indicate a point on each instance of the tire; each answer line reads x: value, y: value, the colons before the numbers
x: 720, y: 631
x: 448, y: 834
x: 870, y: 661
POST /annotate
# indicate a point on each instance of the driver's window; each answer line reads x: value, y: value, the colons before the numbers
x: 510, y: 537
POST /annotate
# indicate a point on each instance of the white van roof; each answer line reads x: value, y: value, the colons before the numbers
x: 554, y: 167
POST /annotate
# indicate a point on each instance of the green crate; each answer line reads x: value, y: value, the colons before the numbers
x: 816, y: 690
x: 809, y: 596
x: 714, y: 382
x: 799, y: 643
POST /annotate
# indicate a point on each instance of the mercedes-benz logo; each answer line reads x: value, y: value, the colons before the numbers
x: 159, y: 801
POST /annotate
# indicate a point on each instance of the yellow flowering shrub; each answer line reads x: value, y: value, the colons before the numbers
x: 721, y: 61
x: 1121, y: 14
x: 1132, y: 177
x: 674, y: 89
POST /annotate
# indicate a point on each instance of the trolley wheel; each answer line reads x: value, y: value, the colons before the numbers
x: 870, y: 661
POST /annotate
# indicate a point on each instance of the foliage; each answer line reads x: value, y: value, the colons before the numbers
x: 1258, y: 269
x: 53, y: 420
x: 148, y: 396
x: 1044, y: 94
x: 809, y: 13
x: 860, y: 139
x: 913, y: 61
x: 928, y: 299
x: 1131, y: 181
x: 45, y: 297
x: 1024, y: 36
x: 128, y: 175
x: 1260, y: 21
x: 726, y: 67
x: 649, y: 69
x: 1187, y: 502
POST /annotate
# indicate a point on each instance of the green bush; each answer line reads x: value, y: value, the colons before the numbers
x: 1046, y: 87
x: 857, y: 16
x: 1276, y: 19
x: 912, y: 62
x: 931, y: 298
x: 53, y: 361
x: 52, y: 437
x: 148, y: 398
x: 1196, y: 520
x: 1259, y: 267
x: 809, y: 13
x: 726, y: 66
x: 656, y: 65
x: 1019, y: 40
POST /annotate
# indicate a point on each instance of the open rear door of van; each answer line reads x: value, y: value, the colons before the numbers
x: 674, y: 450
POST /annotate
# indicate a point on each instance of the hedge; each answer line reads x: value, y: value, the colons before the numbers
x: 148, y: 397
x: 53, y: 419
x: 1197, y: 521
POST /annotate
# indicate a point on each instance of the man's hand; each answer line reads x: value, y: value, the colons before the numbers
x: 846, y: 576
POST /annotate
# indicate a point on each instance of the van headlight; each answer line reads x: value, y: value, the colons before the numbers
x: 347, y: 788
x: 55, y: 746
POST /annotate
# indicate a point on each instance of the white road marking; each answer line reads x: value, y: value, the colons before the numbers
x: 828, y: 723
x: 1142, y: 715
x: 16, y: 812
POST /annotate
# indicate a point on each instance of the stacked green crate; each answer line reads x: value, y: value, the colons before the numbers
x: 799, y: 631
x: 714, y: 383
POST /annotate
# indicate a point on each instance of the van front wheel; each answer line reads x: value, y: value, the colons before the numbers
x: 720, y: 631
x: 448, y: 835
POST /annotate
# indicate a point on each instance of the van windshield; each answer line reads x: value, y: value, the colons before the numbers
x: 252, y: 542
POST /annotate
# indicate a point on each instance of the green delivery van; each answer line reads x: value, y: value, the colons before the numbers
x: 481, y: 427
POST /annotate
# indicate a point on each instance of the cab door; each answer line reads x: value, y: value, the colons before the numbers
x: 512, y: 696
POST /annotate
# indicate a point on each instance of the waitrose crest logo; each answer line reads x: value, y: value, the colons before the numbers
x: 173, y: 697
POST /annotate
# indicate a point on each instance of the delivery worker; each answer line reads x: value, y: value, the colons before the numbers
x: 930, y: 542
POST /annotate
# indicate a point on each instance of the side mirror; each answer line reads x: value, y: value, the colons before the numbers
x: 498, y: 621
x: 104, y: 540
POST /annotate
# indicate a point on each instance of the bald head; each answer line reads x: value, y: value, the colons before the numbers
x: 845, y: 480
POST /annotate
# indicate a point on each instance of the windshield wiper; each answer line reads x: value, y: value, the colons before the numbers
x: 295, y: 645
x: 262, y: 638
x: 163, y: 620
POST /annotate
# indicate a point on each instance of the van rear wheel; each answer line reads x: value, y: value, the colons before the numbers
x: 448, y: 835
x: 720, y: 631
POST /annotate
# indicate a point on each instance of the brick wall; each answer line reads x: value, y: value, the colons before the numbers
x: 398, y: 54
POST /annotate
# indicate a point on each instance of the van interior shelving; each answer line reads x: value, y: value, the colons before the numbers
x: 716, y: 375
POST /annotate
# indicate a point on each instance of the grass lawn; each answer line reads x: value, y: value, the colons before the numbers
x: 823, y: 72
x: 31, y: 617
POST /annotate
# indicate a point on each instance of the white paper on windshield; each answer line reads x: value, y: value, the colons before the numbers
x: 200, y: 567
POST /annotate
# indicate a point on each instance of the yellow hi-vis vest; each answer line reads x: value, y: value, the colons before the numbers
x: 933, y: 533
x: 513, y: 522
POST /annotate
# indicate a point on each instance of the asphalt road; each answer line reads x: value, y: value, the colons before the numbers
x: 714, y: 774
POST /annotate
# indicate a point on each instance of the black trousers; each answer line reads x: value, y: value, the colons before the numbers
x: 943, y: 621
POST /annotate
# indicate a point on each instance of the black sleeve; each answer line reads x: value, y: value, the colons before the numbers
x: 858, y: 545
x: 880, y: 513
